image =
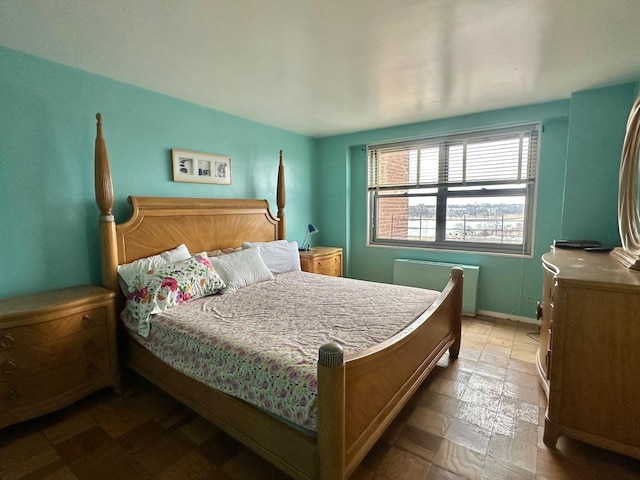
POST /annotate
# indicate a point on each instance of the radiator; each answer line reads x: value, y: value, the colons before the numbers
x: 434, y: 276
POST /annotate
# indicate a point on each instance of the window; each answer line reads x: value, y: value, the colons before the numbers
x: 472, y: 191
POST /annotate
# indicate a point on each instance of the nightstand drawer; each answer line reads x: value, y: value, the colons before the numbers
x: 18, y: 363
x: 25, y: 335
x: 327, y: 263
x: 330, y: 266
x: 43, y: 388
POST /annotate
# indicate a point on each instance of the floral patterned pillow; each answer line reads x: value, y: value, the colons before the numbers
x: 169, y: 285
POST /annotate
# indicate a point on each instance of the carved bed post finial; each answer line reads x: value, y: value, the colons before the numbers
x: 103, y: 183
x: 107, y: 224
x: 330, y: 355
x: 280, y: 200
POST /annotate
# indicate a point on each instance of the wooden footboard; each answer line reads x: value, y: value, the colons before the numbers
x: 369, y: 389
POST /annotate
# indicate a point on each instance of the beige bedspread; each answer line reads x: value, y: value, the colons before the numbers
x: 260, y: 342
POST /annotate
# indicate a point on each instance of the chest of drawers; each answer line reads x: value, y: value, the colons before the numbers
x: 589, y: 361
x: 55, y: 348
x: 322, y: 260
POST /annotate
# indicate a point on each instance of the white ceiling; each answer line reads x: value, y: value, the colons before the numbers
x: 324, y: 67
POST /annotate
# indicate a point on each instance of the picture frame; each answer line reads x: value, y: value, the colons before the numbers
x: 198, y: 167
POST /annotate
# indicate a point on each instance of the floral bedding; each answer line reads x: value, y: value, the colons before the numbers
x: 260, y: 342
x: 166, y: 286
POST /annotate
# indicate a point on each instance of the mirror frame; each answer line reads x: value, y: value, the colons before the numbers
x: 628, y: 215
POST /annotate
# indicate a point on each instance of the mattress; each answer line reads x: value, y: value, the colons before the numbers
x: 260, y: 343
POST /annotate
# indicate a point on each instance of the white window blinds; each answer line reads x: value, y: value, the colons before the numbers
x: 498, y: 157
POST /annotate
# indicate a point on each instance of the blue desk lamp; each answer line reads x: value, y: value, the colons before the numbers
x: 311, y: 230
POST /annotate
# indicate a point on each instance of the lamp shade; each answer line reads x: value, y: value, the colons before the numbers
x: 312, y: 229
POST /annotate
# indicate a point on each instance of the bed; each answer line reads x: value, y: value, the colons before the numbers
x: 358, y: 394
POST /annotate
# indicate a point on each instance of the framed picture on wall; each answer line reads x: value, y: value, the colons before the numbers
x: 197, y: 167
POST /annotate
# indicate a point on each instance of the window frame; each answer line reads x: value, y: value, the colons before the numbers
x: 526, y: 188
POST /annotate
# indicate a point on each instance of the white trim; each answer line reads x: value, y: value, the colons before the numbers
x: 509, y: 316
x: 448, y: 250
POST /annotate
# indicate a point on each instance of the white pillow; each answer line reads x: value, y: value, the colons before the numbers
x: 280, y: 256
x: 130, y: 270
x: 225, y: 251
x: 241, y: 269
x: 257, y: 244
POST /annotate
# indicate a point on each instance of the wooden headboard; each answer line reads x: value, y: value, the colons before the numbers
x: 161, y: 223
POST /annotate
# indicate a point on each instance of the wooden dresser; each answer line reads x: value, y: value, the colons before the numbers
x: 55, y: 348
x: 589, y: 356
x: 322, y: 260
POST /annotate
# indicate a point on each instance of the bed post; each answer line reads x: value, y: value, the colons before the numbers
x: 104, y: 199
x: 458, y: 276
x: 280, y: 200
x: 331, y: 412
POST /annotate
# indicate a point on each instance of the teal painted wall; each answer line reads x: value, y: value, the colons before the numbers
x: 597, y: 124
x: 48, y: 234
x: 507, y: 285
x: 48, y: 216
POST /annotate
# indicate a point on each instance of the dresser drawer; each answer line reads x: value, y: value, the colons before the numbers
x: 17, y: 363
x: 46, y: 386
x: 32, y: 334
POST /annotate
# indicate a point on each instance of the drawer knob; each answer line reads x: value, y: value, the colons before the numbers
x: 11, y: 397
x: 86, y: 321
x: 7, y: 340
x: 8, y: 367
x: 91, y: 369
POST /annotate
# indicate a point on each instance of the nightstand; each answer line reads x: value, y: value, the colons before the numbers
x: 322, y: 260
x: 55, y: 348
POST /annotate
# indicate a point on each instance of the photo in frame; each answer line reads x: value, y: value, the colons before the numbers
x: 197, y: 167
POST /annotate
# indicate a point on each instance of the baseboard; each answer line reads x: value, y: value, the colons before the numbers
x: 508, y: 316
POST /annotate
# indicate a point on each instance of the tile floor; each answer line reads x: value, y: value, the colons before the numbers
x: 479, y: 417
